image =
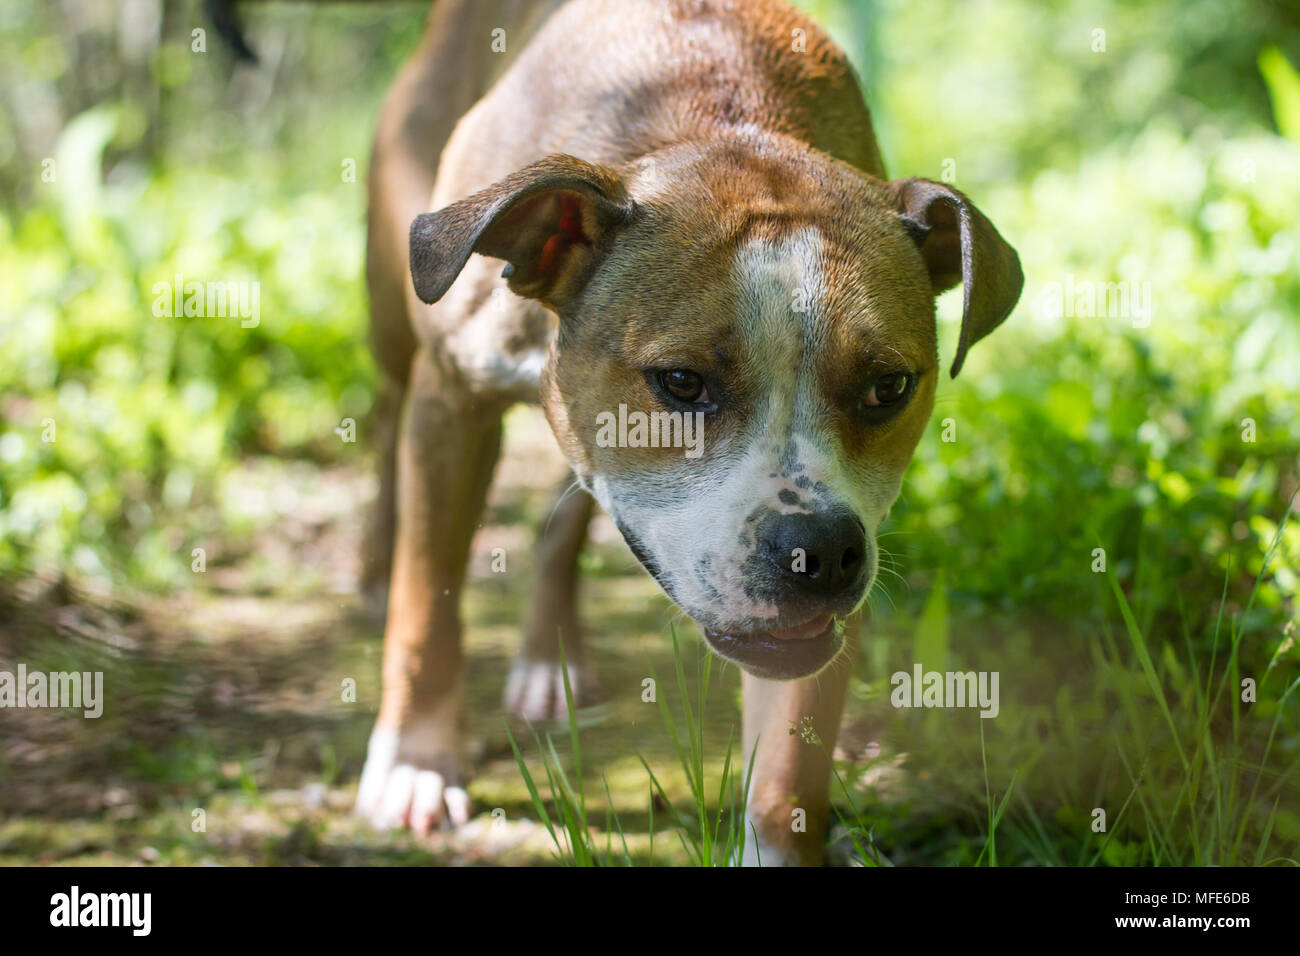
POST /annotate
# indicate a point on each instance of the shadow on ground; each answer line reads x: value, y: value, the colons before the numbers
x: 236, y: 714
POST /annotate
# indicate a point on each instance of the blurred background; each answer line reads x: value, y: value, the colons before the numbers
x: 1149, y: 143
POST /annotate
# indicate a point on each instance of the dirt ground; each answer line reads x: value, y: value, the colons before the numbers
x: 228, y: 736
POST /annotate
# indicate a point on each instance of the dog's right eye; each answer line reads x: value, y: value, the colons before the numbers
x: 685, y: 386
x: 889, y: 390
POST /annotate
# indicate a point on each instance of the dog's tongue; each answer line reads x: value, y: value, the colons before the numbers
x: 813, y: 628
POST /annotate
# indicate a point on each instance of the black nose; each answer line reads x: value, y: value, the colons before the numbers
x: 822, y: 554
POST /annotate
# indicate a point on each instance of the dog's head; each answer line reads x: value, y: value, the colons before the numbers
x: 779, y: 298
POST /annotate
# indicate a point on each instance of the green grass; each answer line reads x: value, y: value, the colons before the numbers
x: 1203, y: 812
x: 711, y: 833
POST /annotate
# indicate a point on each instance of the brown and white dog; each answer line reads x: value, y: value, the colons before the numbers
x: 677, y: 206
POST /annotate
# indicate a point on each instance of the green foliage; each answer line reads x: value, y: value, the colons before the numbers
x: 151, y: 412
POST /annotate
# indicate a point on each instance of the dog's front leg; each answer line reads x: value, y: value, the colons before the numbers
x: 449, y: 442
x: 789, y: 806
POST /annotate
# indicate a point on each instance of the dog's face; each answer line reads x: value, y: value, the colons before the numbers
x: 746, y: 361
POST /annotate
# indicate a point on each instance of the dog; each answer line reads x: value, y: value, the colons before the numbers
x: 674, y: 207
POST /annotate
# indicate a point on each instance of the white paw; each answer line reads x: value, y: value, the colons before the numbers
x: 397, y: 791
x: 760, y: 850
x: 535, y: 690
x: 761, y: 853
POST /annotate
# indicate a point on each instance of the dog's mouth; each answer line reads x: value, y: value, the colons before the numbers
x: 786, y: 654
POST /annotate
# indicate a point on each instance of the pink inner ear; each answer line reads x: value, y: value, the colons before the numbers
x: 569, y: 234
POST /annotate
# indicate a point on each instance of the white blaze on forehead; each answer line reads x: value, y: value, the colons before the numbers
x: 782, y: 283
x: 783, y: 322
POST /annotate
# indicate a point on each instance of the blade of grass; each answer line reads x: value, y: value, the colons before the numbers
x: 1148, y: 668
x: 532, y: 791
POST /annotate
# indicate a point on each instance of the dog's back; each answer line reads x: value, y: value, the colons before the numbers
x: 614, y: 81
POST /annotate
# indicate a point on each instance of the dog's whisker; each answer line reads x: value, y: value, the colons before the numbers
x: 890, y: 567
x: 883, y: 593
x: 558, y: 502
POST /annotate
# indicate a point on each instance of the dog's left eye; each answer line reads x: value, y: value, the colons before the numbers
x: 685, y: 386
x: 888, y: 390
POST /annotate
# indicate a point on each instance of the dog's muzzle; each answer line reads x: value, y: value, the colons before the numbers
x: 815, y: 568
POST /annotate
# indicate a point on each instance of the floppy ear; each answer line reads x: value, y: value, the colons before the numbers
x: 960, y: 245
x: 550, y: 221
